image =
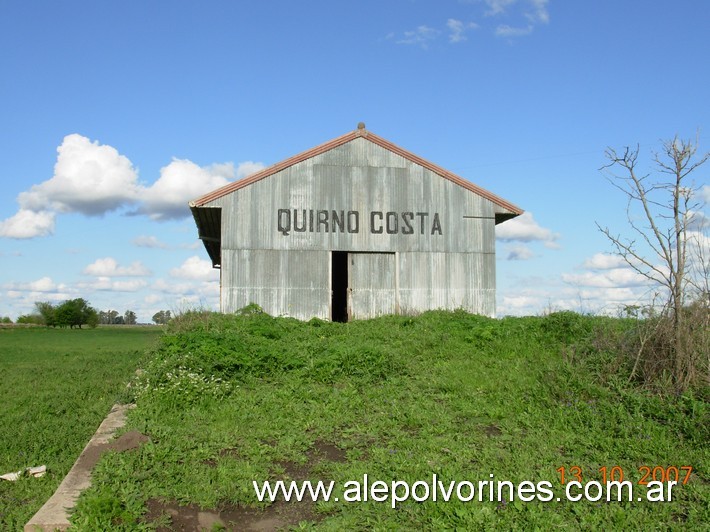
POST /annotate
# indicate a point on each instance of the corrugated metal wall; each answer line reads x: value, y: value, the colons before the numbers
x: 284, y: 282
x: 358, y: 197
x: 371, y: 284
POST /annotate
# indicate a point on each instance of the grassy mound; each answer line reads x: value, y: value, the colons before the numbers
x: 228, y: 400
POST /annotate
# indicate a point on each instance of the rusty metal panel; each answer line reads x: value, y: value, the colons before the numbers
x: 292, y: 283
x: 429, y: 281
x: 371, y: 285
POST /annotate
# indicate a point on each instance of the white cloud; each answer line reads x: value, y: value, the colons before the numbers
x: 524, y: 228
x: 504, y: 30
x: 161, y: 285
x: 604, y: 261
x: 182, y: 181
x: 93, y: 179
x: 539, y: 12
x: 88, y: 178
x: 151, y: 299
x: 109, y: 285
x: 520, y: 252
x: 458, y: 30
x: 705, y: 193
x: 497, y: 7
x: 28, y: 224
x: 697, y: 221
x: 197, y: 269
x: 197, y: 244
x: 28, y: 298
x: 145, y: 241
x: 108, y: 267
x: 538, y: 297
x: 45, y: 284
x: 246, y: 168
x: 613, y: 278
x: 519, y: 304
x: 179, y: 182
x: 421, y: 36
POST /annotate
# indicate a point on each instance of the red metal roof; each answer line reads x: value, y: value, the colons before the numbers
x: 339, y: 141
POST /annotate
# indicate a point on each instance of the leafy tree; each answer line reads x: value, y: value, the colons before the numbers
x: 161, y: 317
x: 92, y: 318
x: 75, y: 313
x: 108, y: 317
x: 35, y: 319
x: 129, y: 318
x: 47, y: 311
x: 5, y: 319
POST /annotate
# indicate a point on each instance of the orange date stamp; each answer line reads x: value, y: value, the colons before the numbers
x: 646, y: 474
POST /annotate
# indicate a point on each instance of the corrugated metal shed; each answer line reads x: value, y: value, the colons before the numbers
x: 353, y: 228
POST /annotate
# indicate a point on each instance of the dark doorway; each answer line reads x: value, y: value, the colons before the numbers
x: 339, y: 286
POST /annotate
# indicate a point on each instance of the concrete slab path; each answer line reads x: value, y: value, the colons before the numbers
x: 54, y: 515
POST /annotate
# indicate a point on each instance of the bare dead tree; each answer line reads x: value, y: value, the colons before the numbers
x: 662, y: 211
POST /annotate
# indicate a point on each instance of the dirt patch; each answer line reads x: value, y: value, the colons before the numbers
x: 212, y: 462
x: 229, y: 452
x: 169, y: 516
x: 327, y: 451
x: 126, y: 442
x: 492, y: 430
x: 320, y: 452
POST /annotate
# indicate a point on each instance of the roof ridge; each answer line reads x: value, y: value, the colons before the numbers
x: 339, y: 141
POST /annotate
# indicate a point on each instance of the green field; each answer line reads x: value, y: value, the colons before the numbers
x: 57, y: 385
x: 228, y: 400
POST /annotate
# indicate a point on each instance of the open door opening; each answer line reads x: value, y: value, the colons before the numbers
x: 339, y: 286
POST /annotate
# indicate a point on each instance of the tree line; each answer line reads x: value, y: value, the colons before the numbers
x: 77, y: 312
x: 72, y: 313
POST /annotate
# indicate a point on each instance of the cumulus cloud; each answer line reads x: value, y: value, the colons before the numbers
x: 612, y: 278
x: 604, y: 261
x: 44, y: 284
x: 89, y: 178
x: 705, y: 193
x: 520, y: 252
x: 195, y: 268
x: 93, y: 179
x: 246, y: 168
x: 697, y: 221
x: 458, y: 29
x: 151, y: 299
x: 185, y: 288
x: 144, y: 241
x: 28, y: 224
x: 108, y: 267
x: 109, y: 285
x: 524, y: 228
x: 182, y: 181
x: 179, y: 182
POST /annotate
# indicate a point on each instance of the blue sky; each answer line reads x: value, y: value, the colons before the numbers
x: 115, y: 114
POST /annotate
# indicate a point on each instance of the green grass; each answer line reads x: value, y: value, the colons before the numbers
x: 231, y: 399
x: 57, y: 385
